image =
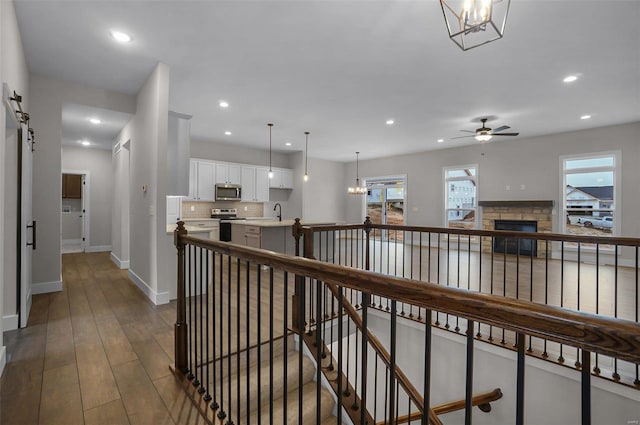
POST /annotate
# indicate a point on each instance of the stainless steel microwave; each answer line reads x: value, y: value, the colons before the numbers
x: 228, y: 192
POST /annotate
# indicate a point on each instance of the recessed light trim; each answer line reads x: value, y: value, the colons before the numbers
x: 585, y: 117
x: 223, y: 104
x: 95, y: 121
x: 440, y: 140
x: 227, y: 133
x: 570, y: 78
x: 288, y: 144
x: 390, y: 122
x: 121, y: 37
x: 85, y: 142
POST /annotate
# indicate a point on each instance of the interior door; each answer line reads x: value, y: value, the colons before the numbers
x: 385, y: 205
x: 27, y: 227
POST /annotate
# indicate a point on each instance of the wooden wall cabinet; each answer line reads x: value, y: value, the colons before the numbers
x: 72, y: 186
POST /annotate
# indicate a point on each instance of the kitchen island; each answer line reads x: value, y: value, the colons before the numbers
x: 265, y: 234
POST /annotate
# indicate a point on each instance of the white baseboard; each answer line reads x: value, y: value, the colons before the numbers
x: 98, y: 248
x: 10, y: 322
x: 118, y: 262
x: 64, y: 242
x: 3, y: 358
x: 156, y: 298
x: 46, y: 287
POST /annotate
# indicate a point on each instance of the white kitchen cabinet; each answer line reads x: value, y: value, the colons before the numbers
x: 282, y: 179
x: 193, y: 179
x: 255, y: 184
x: 205, y: 181
x: 228, y: 174
x: 174, y: 209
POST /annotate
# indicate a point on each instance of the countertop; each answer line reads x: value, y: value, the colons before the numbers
x: 267, y: 223
x: 191, y: 229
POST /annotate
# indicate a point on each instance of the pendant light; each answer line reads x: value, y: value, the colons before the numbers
x: 270, y: 170
x: 306, y: 153
x: 357, y: 190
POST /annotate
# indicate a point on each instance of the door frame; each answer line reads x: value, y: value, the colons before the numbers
x: 397, y: 177
x: 85, y: 237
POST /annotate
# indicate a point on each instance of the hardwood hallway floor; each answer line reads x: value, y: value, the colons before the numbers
x: 96, y: 353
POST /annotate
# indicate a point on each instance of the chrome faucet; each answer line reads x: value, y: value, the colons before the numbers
x: 279, y: 210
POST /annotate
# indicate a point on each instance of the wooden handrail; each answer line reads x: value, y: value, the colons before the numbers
x: 441, y: 409
x: 598, y: 334
x: 555, y: 237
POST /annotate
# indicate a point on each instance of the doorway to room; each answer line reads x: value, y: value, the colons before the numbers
x: 75, y: 211
x: 385, y: 204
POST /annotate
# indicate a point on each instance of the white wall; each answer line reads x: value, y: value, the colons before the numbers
x: 552, y: 392
x: 14, y: 72
x: 120, y: 209
x: 324, y: 195
x: 98, y: 163
x: 532, y: 162
x: 149, y: 247
x: 47, y: 98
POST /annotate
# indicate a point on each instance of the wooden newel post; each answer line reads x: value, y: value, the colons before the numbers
x: 367, y: 231
x: 180, y: 331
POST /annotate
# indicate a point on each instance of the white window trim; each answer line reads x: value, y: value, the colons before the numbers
x: 617, y: 187
x: 402, y: 177
x: 444, y: 186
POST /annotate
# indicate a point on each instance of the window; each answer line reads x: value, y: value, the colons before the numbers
x: 589, y: 194
x: 461, y: 196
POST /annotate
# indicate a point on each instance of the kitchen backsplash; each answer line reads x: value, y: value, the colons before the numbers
x: 203, y: 209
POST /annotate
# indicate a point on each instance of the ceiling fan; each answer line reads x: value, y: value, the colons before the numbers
x: 484, y: 133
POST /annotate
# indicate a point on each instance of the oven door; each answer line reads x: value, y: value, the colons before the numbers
x: 225, y: 231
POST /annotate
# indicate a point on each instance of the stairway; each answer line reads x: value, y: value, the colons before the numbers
x: 257, y: 405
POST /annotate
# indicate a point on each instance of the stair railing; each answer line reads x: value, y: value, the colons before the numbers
x: 220, y: 285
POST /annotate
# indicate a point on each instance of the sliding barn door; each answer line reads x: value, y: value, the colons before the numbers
x: 26, y: 226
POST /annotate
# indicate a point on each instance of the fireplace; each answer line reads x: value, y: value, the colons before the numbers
x: 513, y: 245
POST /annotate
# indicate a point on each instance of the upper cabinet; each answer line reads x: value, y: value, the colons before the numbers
x: 228, y: 173
x: 282, y: 179
x: 72, y: 186
x: 205, y: 181
x: 255, y: 184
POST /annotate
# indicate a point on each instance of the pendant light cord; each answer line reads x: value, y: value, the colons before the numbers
x: 306, y: 151
x: 270, y: 126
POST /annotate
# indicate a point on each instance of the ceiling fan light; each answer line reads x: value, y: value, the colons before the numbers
x: 483, y: 137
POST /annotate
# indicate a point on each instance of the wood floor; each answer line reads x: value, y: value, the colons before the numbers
x: 96, y: 353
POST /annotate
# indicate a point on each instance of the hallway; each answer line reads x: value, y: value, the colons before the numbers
x: 96, y: 353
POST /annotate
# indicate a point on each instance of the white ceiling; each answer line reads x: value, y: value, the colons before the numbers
x: 340, y: 69
x: 77, y: 128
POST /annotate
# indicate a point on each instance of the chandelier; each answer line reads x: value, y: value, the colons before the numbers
x: 357, y: 189
x: 472, y: 23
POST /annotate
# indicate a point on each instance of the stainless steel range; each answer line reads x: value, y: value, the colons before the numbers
x: 226, y: 216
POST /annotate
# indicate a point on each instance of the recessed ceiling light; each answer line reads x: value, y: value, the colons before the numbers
x: 95, y: 121
x: 440, y: 140
x: 227, y: 133
x: 223, y: 104
x: 85, y: 143
x: 570, y: 78
x: 288, y: 144
x: 390, y: 122
x: 585, y: 117
x: 120, y: 36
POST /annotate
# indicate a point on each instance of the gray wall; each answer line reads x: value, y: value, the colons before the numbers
x: 231, y: 153
x: 98, y: 163
x: 532, y: 162
x: 14, y: 72
x: 120, y: 209
x: 47, y: 98
x: 324, y: 197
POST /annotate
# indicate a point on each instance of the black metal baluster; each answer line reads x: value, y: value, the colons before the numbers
x: 426, y: 385
x: 586, y: 387
x: 491, y: 282
x: 469, y: 375
x: 340, y: 380
x: 207, y: 397
x: 577, y: 363
x: 375, y: 389
x: 301, y: 300
x: 248, y: 335
x: 354, y: 406
x: 561, y: 358
x: 457, y: 328
x: 189, y: 252
x: 615, y: 376
x: 420, y: 268
x: 238, y: 351
x: 636, y: 382
x: 230, y: 407
x: 546, y: 288
x: 214, y: 403
x: 196, y: 318
x: 530, y: 349
x: 285, y: 343
x: 504, y: 278
x: 392, y: 365
x: 439, y: 236
x: 520, y: 380
x: 386, y: 392
x: 221, y: 414
x: 271, y: 307
x: 596, y: 369
x: 479, y: 334
x: 447, y: 326
x: 318, y: 354
x: 411, y: 271
x: 201, y: 389
x: 259, y: 344
x: 347, y: 392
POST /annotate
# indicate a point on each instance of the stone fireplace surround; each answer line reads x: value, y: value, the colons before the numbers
x: 539, y: 211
